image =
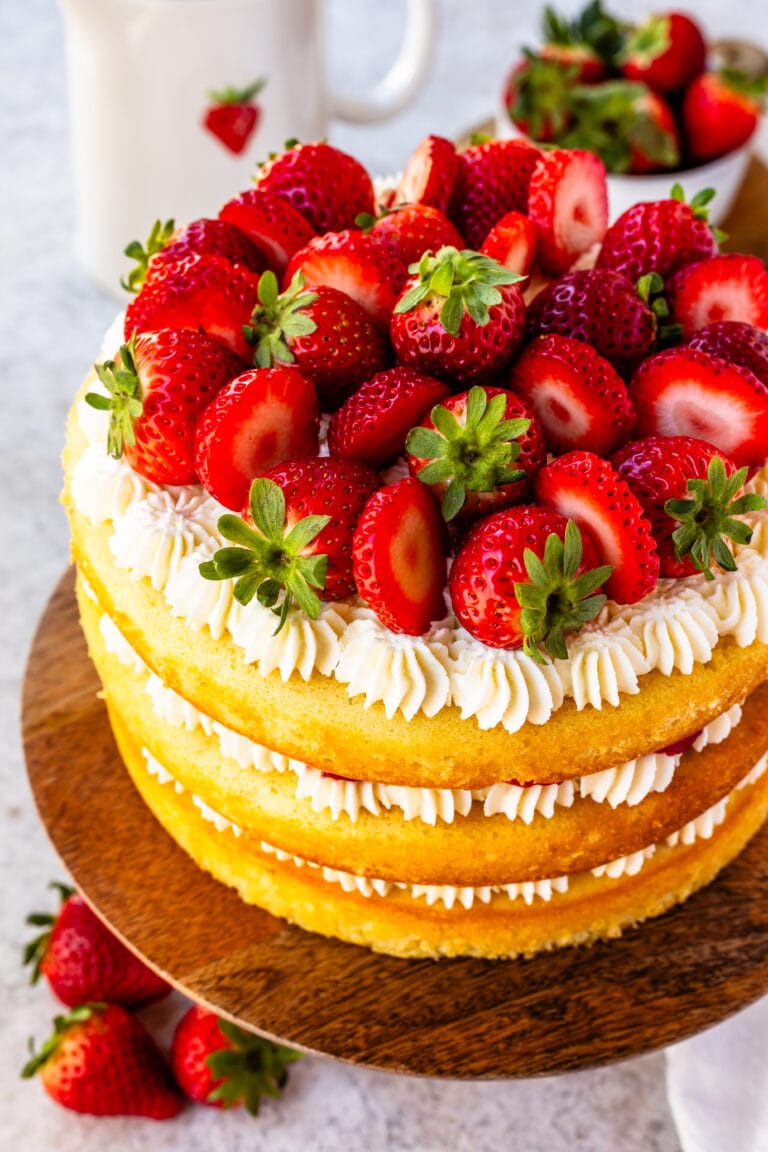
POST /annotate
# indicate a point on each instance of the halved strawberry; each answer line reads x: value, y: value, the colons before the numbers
x: 568, y: 201
x: 512, y: 241
x: 372, y: 424
x: 690, y: 491
x: 737, y: 342
x: 429, y: 175
x: 476, y: 451
x: 578, y: 396
x: 259, y: 419
x: 727, y: 287
x: 525, y: 576
x: 329, y: 187
x: 166, y: 244
x: 413, y: 229
x: 399, y: 557
x: 585, y: 488
x: 201, y: 292
x: 492, y: 180
x: 685, y: 392
x: 352, y: 262
x: 273, y: 225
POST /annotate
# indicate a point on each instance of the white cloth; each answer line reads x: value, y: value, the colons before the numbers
x: 717, y: 1085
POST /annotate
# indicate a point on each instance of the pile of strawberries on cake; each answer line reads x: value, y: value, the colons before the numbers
x: 578, y: 406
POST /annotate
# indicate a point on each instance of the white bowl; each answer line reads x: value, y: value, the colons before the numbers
x: 725, y: 175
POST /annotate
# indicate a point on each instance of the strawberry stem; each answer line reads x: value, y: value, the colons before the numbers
x: 142, y: 253
x: 278, y: 319
x: 466, y: 281
x: 124, y: 402
x: 61, y: 1024
x: 232, y: 95
x: 251, y: 1067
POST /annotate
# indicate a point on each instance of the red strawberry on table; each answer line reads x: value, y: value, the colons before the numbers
x: 736, y: 341
x: 665, y: 51
x: 585, y: 488
x: 328, y: 336
x: 568, y: 201
x: 370, y: 272
x: 372, y: 424
x: 302, y: 518
x: 720, y: 112
x: 101, y: 1060
x: 525, y: 576
x: 166, y: 244
x: 82, y: 960
x: 429, y: 176
x: 400, y: 549
x: 687, y: 392
x: 690, y: 491
x: 476, y: 451
x: 659, y: 236
x: 727, y: 287
x: 577, y: 395
x: 329, y: 187
x: 274, y: 227
x: 410, y: 230
x: 202, y: 292
x: 218, y: 1064
x: 512, y: 241
x: 257, y: 420
x: 233, y: 116
x: 492, y: 180
x: 461, y: 316
x: 156, y: 392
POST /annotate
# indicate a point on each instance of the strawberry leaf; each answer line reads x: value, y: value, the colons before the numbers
x: 279, y: 319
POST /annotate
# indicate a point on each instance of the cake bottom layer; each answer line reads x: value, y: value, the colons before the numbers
x: 400, y: 923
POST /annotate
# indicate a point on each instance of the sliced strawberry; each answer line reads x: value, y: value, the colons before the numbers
x: 512, y: 241
x: 737, y: 342
x: 492, y: 180
x: 728, y: 287
x: 429, y: 175
x: 372, y: 424
x: 275, y: 227
x: 400, y: 550
x: 329, y: 187
x: 413, y: 229
x: 205, y: 293
x: 354, y: 263
x: 685, y: 392
x: 578, y: 396
x: 259, y: 419
x: 585, y: 488
x: 568, y: 201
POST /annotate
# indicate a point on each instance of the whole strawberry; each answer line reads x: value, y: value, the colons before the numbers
x: 157, y: 390
x: 476, y: 451
x: 665, y: 51
x: 101, y: 1060
x: 329, y: 337
x: 461, y: 316
x: 82, y: 960
x: 526, y: 576
x: 218, y: 1064
x: 272, y: 225
x: 691, y: 493
x: 492, y: 180
x: 233, y: 115
x: 297, y: 536
x: 536, y: 93
x: 720, y: 112
x: 659, y: 236
x: 410, y: 230
x: 326, y: 185
x: 628, y: 125
x: 165, y: 244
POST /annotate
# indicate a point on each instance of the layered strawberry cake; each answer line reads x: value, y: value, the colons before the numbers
x: 422, y: 547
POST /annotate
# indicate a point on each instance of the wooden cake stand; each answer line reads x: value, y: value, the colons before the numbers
x: 456, y: 1018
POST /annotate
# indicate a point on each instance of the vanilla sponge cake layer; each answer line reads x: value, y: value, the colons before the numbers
x: 405, y: 925
x: 317, y: 721
x: 474, y: 849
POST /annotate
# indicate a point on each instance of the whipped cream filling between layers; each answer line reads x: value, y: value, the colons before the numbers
x: 163, y: 533
x: 700, y: 828
x: 629, y: 783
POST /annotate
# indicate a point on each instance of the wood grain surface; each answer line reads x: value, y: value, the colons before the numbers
x: 455, y: 1018
x: 747, y: 223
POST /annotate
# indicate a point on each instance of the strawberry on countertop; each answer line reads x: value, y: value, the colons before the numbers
x: 218, y: 1064
x: 101, y: 1060
x: 568, y: 202
x: 82, y: 960
x: 157, y: 389
x: 273, y: 225
x: 233, y: 116
x: 526, y: 576
x: 326, y: 185
x: 430, y: 174
x: 660, y: 236
x: 726, y: 287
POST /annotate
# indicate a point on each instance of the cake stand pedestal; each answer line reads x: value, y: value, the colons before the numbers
x: 554, y: 1013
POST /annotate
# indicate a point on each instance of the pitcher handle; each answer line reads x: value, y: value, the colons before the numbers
x: 404, y: 79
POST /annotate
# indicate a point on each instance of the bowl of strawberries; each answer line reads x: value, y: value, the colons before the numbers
x: 657, y: 102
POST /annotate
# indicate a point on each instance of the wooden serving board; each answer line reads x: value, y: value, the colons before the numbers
x: 457, y: 1018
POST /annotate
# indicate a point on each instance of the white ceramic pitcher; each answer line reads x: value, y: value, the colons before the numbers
x: 139, y: 74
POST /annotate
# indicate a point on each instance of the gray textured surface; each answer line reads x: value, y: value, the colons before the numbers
x: 52, y: 320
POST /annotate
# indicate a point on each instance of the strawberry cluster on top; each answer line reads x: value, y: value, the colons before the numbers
x: 640, y: 95
x: 558, y: 452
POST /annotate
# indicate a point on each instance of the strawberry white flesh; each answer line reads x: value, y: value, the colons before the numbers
x: 567, y: 199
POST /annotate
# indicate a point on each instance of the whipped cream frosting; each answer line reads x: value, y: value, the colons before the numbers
x: 163, y: 534
x: 628, y: 783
